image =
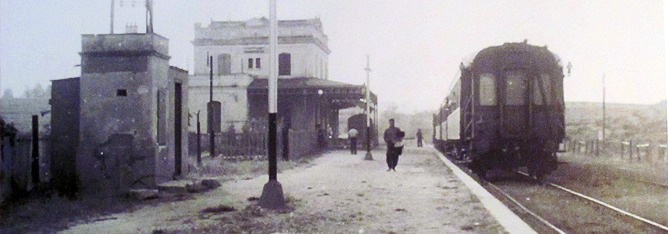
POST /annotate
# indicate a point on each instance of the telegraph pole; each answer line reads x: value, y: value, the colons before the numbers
x: 272, y: 193
x: 199, y: 143
x: 211, y: 118
x: 113, y: 3
x: 603, y: 137
x: 368, y: 155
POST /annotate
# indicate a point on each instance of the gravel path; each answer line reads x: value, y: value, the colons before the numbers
x: 336, y: 193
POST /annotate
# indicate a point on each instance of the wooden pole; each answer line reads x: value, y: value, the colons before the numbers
x: 35, y: 150
x: 199, y: 142
x: 212, y: 143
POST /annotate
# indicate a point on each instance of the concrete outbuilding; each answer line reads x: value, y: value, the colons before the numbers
x: 132, y: 116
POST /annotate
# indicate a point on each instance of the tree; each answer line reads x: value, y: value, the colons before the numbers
x: 37, y: 92
x: 8, y: 94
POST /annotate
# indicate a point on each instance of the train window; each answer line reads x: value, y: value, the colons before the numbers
x: 546, y: 89
x: 516, y: 87
x: 559, y: 91
x: 487, y: 90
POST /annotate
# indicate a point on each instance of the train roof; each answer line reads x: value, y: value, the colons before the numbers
x: 516, y: 47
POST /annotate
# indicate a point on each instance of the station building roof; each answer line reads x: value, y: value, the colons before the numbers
x: 346, y: 95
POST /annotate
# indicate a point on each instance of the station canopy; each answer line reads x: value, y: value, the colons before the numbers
x: 339, y: 94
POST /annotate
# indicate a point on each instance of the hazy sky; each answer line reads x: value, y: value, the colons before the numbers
x: 415, y: 46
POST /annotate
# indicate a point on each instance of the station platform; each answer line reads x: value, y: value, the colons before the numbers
x: 426, y: 194
x: 337, y: 192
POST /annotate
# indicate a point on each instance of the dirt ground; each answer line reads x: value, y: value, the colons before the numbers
x: 334, y: 193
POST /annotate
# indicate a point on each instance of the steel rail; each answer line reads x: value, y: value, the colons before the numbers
x: 647, y: 221
x: 547, y: 223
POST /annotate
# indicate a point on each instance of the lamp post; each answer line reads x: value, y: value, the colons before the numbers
x: 320, y: 140
x: 368, y: 155
x: 317, y: 113
x: 272, y: 192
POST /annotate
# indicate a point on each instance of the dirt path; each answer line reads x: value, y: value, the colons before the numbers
x: 336, y: 193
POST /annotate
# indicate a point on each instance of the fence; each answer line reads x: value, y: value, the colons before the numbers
x: 633, y: 150
x: 252, y: 145
x: 16, y: 164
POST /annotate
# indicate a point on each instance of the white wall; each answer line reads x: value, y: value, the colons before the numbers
x: 307, y: 60
x: 230, y: 91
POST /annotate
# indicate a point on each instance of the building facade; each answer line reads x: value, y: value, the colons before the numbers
x: 240, y: 51
x: 130, y: 117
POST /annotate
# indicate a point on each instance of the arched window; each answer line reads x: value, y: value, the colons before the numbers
x: 224, y: 64
x: 284, y: 66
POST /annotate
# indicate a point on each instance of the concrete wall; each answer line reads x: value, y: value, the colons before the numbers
x: 177, y: 76
x: 301, y: 112
x: 127, y: 113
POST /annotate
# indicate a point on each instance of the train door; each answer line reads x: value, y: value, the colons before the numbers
x: 515, y: 112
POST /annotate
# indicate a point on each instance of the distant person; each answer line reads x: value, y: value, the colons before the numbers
x: 321, y: 137
x: 418, y: 135
x: 352, y: 135
x: 390, y: 137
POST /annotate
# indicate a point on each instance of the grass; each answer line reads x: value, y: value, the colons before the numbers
x: 215, y: 167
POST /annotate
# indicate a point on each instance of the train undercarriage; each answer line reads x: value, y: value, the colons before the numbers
x: 538, y: 157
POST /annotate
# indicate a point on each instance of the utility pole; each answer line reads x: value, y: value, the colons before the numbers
x: 210, y: 108
x: 603, y: 137
x: 272, y: 192
x: 35, y: 150
x: 113, y: 3
x: 368, y: 155
x: 199, y: 142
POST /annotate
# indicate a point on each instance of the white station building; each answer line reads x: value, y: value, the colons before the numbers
x: 240, y: 51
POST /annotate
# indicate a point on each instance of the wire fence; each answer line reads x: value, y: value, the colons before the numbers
x: 632, y: 150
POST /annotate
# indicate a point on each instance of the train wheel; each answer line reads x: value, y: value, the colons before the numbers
x: 479, y: 169
x: 543, y: 167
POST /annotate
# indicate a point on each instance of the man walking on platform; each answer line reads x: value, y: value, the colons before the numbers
x: 352, y: 135
x: 390, y: 137
x: 418, y: 135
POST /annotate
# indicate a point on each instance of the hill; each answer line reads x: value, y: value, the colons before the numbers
x: 583, y: 121
x: 623, y: 121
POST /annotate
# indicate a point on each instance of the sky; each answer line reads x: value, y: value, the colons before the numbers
x: 415, y: 47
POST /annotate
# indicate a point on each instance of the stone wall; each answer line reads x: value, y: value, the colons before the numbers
x: 127, y: 113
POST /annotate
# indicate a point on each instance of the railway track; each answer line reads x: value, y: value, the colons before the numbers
x: 528, y: 211
x: 555, y: 209
x: 603, y: 222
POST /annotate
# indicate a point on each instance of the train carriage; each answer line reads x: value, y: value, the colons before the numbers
x: 505, y: 110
